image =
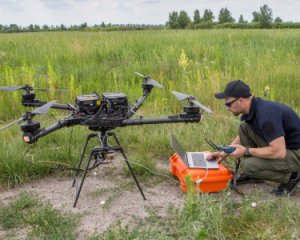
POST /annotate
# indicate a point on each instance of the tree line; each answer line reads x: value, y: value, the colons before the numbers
x: 261, y: 19
x: 14, y: 28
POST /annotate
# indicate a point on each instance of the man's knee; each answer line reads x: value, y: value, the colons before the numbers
x: 250, y: 166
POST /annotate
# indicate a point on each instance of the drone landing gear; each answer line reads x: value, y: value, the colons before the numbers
x: 99, y: 154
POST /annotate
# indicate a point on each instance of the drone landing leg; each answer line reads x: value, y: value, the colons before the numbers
x: 128, y: 164
x: 83, y: 178
x: 82, y: 156
x: 101, y: 151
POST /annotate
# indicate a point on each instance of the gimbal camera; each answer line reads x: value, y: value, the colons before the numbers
x: 101, y: 114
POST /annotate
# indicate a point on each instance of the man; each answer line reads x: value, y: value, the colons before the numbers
x: 268, y: 140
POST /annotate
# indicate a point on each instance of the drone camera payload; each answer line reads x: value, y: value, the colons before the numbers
x: 101, y: 114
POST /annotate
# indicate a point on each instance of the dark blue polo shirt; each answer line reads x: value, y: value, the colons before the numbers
x: 271, y: 120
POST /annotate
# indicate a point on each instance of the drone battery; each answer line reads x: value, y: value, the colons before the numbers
x: 215, y: 180
x: 117, y: 101
x: 88, y: 103
x: 116, y: 98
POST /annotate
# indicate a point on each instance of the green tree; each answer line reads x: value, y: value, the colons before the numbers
x: 256, y: 16
x: 173, y: 20
x: 278, y: 20
x: 36, y: 28
x: 183, y: 19
x: 14, y: 28
x: 45, y: 27
x: 31, y: 28
x: 241, y: 19
x: 225, y: 16
x: 197, y: 18
x: 83, y: 25
x: 266, y: 17
x: 208, y: 16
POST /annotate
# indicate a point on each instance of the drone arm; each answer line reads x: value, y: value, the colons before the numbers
x: 139, y: 102
x: 172, y: 119
x: 38, y: 103
x: 29, y: 137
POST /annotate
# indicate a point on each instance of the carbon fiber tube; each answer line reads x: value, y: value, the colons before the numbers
x: 175, y: 119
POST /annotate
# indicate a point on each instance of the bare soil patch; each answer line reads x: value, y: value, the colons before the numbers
x: 108, y: 197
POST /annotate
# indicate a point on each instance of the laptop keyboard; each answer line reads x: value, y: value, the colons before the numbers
x: 198, y: 160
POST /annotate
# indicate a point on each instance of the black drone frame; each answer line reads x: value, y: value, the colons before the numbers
x: 103, y: 125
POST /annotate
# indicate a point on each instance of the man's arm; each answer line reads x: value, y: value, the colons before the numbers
x: 220, y: 156
x: 236, y: 141
x: 275, y: 150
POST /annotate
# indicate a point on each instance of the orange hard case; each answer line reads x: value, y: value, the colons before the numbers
x: 216, y: 180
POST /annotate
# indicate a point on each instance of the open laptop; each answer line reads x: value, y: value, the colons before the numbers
x: 193, y: 159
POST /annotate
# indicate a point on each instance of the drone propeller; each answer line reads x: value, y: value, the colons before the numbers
x: 191, y: 99
x: 51, y: 89
x: 149, y: 80
x: 27, y: 87
x: 27, y: 116
x: 10, y: 89
x: 43, y: 109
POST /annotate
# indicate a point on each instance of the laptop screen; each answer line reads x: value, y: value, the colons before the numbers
x: 178, y: 149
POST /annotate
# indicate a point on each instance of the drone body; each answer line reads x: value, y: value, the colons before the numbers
x: 101, y: 114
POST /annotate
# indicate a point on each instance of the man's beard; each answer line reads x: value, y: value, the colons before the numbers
x: 235, y: 113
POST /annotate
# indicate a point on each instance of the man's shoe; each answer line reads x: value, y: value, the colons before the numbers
x: 244, y: 178
x: 287, y: 189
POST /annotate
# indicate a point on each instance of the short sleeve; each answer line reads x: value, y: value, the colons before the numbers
x: 271, y: 125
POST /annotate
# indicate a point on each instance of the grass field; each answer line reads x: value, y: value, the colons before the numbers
x: 194, y: 62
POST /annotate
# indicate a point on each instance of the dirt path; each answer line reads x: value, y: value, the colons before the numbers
x: 107, y: 198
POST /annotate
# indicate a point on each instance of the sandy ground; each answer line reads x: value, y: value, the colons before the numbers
x: 107, y: 198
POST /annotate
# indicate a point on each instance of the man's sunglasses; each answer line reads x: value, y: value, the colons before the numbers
x: 228, y: 104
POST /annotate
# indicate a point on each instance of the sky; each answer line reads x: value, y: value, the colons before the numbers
x: 71, y: 12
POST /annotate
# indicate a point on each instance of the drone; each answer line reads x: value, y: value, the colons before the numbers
x: 101, y: 114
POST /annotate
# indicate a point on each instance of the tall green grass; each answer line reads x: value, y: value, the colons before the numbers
x: 195, y: 62
x: 106, y: 61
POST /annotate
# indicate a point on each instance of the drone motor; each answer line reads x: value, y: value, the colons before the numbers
x: 29, y: 130
x: 28, y: 97
x: 190, y: 110
x: 30, y: 127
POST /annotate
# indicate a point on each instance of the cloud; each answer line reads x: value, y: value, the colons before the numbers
x: 70, y: 12
x: 64, y: 5
x: 151, y: 1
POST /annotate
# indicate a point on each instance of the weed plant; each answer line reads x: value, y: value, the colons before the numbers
x: 207, y: 216
x: 40, y: 221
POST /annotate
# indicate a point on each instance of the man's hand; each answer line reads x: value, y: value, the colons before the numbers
x: 239, y: 151
x: 219, y: 156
